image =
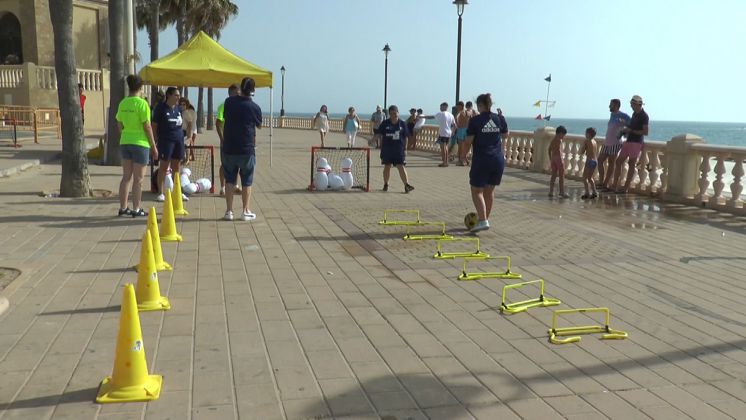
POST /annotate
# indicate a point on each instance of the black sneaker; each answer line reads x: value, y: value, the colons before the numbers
x: 408, y: 188
x: 385, y: 187
x: 138, y: 212
x: 125, y: 212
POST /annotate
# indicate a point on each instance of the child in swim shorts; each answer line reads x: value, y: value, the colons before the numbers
x: 556, y: 162
x: 591, y: 153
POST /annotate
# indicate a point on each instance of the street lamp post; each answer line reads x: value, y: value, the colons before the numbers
x: 282, y: 93
x: 460, y: 5
x: 386, y: 50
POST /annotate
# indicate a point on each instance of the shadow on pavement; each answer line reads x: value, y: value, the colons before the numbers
x: 83, y: 395
x: 116, y: 308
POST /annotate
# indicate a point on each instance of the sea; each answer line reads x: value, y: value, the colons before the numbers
x: 720, y: 133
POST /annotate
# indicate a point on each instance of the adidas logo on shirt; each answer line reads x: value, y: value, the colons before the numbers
x: 490, y: 127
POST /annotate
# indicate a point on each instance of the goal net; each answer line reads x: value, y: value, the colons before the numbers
x: 200, y: 160
x: 360, y: 170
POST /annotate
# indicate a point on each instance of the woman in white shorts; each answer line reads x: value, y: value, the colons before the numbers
x: 321, y: 122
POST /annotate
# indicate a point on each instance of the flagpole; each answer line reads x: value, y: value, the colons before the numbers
x: 546, y: 104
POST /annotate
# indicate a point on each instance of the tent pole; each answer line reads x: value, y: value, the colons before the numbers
x: 271, y: 125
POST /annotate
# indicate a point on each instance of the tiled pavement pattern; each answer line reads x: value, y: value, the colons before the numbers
x: 315, y: 311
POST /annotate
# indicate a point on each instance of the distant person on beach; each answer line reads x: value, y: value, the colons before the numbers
x: 488, y: 160
x: 612, y: 143
x: 167, y: 127
x: 394, y: 135
x: 411, y: 121
x: 81, y: 93
x: 589, y: 148
x: 242, y: 118
x: 321, y: 122
x: 557, y: 164
x: 446, y: 127
x: 190, y: 124
x: 462, y: 124
x: 504, y: 131
x: 418, y: 124
x: 219, y: 125
x: 351, y: 124
x: 375, y: 120
x: 636, y: 131
x: 136, y: 145
x: 470, y: 110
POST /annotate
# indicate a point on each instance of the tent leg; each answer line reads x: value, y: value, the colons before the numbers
x: 271, y: 125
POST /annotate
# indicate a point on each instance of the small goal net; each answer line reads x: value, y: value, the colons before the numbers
x: 200, y: 160
x: 360, y: 169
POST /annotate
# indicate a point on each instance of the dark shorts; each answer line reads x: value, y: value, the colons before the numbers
x: 591, y: 163
x: 481, y: 175
x: 137, y: 154
x: 170, y: 150
x: 444, y: 140
x: 392, y: 156
x: 233, y: 165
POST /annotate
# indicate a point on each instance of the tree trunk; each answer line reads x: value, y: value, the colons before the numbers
x: 200, y: 110
x: 181, y: 33
x: 117, y: 75
x: 75, y: 181
x: 209, y: 109
x: 154, y: 34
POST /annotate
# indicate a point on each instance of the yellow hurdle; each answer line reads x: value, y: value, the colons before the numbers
x: 451, y: 255
x: 608, y: 332
x: 507, y: 274
x: 524, y: 305
x: 388, y: 222
x: 409, y: 237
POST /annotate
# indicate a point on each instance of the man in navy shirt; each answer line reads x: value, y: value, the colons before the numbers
x: 631, y: 149
x: 168, y: 133
x: 242, y: 118
x: 488, y: 160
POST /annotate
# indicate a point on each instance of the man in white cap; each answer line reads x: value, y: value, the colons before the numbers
x: 631, y: 149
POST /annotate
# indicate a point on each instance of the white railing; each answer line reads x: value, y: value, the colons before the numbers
x: 11, y: 76
x: 91, y: 80
x: 719, y: 176
x: 519, y: 149
x: 46, y: 77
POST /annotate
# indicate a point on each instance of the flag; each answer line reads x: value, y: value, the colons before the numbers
x: 548, y: 78
x: 538, y: 117
x: 537, y: 103
x: 548, y: 117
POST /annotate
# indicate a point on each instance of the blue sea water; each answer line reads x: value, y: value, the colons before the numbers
x: 730, y: 134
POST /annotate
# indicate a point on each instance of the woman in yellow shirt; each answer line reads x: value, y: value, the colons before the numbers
x: 135, y: 144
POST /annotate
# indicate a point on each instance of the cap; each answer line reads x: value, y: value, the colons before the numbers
x: 637, y: 99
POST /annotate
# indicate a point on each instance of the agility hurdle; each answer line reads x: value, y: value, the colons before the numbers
x: 507, y: 274
x: 388, y: 222
x: 608, y: 332
x: 451, y: 255
x: 524, y: 305
x: 410, y: 237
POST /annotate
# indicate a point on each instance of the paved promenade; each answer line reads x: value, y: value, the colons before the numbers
x: 315, y: 311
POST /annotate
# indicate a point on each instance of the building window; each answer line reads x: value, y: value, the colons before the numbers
x: 11, y: 51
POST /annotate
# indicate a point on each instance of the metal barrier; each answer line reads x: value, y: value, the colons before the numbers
x: 38, y: 121
x: 9, y: 130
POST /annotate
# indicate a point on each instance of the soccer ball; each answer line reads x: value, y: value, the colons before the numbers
x: 470, y: 220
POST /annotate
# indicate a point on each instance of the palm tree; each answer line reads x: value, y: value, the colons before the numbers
x: 214, y: 16
x: 75, y: 180
x: 153, y: 16
x: 116, y: 78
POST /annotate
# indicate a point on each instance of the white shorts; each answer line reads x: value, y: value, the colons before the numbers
x: 351, y: 138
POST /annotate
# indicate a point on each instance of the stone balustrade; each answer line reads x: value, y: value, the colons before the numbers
x: 11, y: 77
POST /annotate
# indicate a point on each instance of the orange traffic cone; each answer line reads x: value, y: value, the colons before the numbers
x: 148, y: 291
x: 129, y: 381
x: 177, y: 199
x: 168, y: 222
x: 160, y: 264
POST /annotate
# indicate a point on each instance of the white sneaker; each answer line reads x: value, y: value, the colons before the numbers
x: 482, y: 225
x: 247, y: 215
x: 228, y: 216
x: 184, y: 197
x: 160, y: 198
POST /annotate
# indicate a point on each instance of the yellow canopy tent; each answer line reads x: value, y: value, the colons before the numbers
x: 202, y: 62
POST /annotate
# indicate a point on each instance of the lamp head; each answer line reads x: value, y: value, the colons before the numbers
x: 386, y: 49
x: 282, y: 69
x: 460, y: 4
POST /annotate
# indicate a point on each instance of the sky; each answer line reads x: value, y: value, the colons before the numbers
x: 683, y: 57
